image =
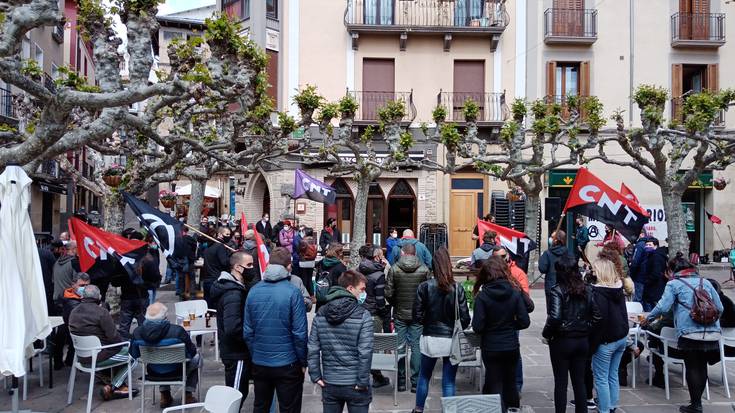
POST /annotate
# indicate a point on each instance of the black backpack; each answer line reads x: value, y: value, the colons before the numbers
x: 323, y: 284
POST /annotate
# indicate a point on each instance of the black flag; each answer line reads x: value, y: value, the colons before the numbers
x: 164, y: 229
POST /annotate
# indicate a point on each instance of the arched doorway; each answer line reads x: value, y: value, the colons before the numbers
x: 259, y: 197
x: 375, y: 229
x: 402, y: 207
x: 342, y: 210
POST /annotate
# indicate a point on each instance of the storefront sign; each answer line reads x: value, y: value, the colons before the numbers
x: 51, y: 188
x: 561, y: 179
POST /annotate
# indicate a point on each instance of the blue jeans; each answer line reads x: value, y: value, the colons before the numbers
x: 409, y: 333
x: 449, y: 372
x: 605, y: 365
x: 334, y: 399
x: 638, y: 293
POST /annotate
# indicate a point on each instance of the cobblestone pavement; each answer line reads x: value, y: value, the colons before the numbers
x: 537, y: 391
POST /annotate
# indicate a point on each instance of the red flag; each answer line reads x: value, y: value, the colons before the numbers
x: 516, y: 242
x: 243, y: 224
x: 713, y: 218
x: 593, y: 198
x: 626, y: 192
x: 263, y: 256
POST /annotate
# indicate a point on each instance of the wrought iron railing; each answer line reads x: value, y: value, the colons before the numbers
x: 370, y: 102
x: 677, y: 111
x: 7, y: 108
x: 492, y: 105
x: 706, y: 27
x: 570, y: 23
x: 58, y: 33
x: 480, y: 14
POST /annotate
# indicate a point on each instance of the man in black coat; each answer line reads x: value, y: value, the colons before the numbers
x: 655, y: 274
x: 264, y: 226
x: 230, y: 292
x: 216, y: 260
x: 329, y: 234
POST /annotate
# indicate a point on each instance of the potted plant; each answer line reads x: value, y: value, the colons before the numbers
x: 113, y: 174
x: 167, y: 198
x: 719, y: 183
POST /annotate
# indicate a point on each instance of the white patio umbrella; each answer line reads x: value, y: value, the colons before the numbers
x: 23, y: 312
x: 209, y: 192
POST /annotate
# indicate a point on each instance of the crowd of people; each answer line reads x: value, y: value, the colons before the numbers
x: 264, y: 335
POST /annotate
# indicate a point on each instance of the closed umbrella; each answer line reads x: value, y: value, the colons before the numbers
x: 23, y: 312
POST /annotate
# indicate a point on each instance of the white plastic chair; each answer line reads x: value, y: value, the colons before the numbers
x: 198, y: 308
x: 476, y: 366
x: 486, y: 403
x: 37, y: 352
x: 634, y: 308
x: 172, y: 354
x: 669, y: 340
x: 219, y: 399
x: 383, y: 342
x: 90, y: 346
x: 728, y: 339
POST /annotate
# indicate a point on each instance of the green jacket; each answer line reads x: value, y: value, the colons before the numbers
x: 401, y: 284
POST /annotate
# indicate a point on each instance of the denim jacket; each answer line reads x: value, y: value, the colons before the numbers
x: 676, y: 293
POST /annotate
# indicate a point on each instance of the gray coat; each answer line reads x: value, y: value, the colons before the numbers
x: 63, y: 274
x: 341, y: 341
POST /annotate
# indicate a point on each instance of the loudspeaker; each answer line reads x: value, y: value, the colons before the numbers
x: 552, y: 208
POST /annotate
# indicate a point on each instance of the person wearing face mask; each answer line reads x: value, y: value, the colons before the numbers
x: 330, y: 234
x: 264, y: 226
x: 286, y: 236
x: 655, y: 279
x: 216, y: 259
x: 392, y: 240
x: 341, y: 347
x: 230, y: 292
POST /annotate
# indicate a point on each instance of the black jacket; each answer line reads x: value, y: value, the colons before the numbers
x: 230, y: 296
x: 216, y: 259
x: 251, y: 247
x: 547, y: 262
x: 190, y: 248
x: 613, y: 316
x: 655, y: 278
x: 48, y: 260
x: 434, y: 309
x: 266, y: 230
x: 325, y: 238
x: 335, y: 268
x: 375, y: 288
x: 160, y: 334
x: 570, y: 316
x: 500, y: 311
x: 150, y: 273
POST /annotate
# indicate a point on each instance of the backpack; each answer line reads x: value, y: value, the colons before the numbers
x: 323, y: 284
x: 703, y: 310
x: 309, y: 252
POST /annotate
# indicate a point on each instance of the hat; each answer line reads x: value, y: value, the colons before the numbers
x: 280, y: 256
x: 287, y: 222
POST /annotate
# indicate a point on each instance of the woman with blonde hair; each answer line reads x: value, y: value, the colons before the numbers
x: 608, y: 340
x: 611, y: 251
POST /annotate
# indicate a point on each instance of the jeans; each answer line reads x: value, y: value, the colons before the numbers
x: 335, y: 397
x: 449, y: 373
x: 638, y: 293
x: 569, y: 358
x: 605, y: 366
x: 306, y: 275
x: 409, y: 333
x: 286, y: 381
x: 152, y: 295
x: 192, y: 376
x: 131, y: 310
x: 500, y: 375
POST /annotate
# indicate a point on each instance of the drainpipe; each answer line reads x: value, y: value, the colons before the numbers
x: 631, y: 61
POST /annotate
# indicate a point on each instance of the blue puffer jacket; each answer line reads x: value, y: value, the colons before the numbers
x: 421, y: 251
x: 275, y: 327
x: 676, y: 293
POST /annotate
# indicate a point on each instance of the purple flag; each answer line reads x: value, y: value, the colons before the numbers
x: 306, y: 186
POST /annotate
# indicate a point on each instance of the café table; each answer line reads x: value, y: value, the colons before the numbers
x: 198, y: 326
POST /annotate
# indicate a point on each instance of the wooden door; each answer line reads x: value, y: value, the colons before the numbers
x: 462, y: 219
x: 469, y: 83
x: 694, y: 19
x: 677, y: 86
x: 378, y: 85
x: 568, y: 18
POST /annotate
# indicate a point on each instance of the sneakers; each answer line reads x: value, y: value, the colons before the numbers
x: 591, y: 405
x: 691, y: 408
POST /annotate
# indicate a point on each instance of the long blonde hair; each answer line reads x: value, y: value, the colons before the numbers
x: 606, y: 273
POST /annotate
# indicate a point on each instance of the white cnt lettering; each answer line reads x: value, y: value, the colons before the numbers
x: 126, y: 260
x: 606, y: 202
x: 585, y: 191
x: 630, y: 215
x: 87, y: 243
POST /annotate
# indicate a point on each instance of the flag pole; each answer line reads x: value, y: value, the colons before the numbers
x: 207, y: 236
x: 561, y: 218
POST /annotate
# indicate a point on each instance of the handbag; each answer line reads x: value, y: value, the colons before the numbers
x: 461, y: 349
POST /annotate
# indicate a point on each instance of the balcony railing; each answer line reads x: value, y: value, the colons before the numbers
x: 426, y: 16
x: 563, y: 101
x: 492, y: 106
x: 7, y: 108
x: 370, y: 102
x: 58, y: 33
x: 570, y: 26
x: 677, y: 112
x: 698, y: 30
x: 48, y: 83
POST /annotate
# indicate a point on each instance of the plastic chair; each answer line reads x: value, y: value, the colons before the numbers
x: 485, y: 403
x: 90, y: 346
x: 199, y: 308
x: 634, y: 308
x: 728, y: 339
x: 668, y: 340
x: 219, y: 399
x: 475, y: 340
x: 383, y: 342
x: 37, y: 352
x: 172, y: 354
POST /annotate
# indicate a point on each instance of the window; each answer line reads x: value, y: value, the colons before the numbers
x: 38, y: 55
x: 687, y: 79
x: 378, y: 11
x: 271, y: 8
x: 25, y: 49
x: 465, y: 11
x: 54, y: 71
x: 567, y: 79
x: 169, y: 35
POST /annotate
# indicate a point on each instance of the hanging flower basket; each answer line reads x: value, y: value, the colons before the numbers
x: 167, y: 198
x: 112, y: 180
x: 113, y: 174
x: 719, y: 183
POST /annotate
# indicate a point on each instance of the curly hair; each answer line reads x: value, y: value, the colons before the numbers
x: 612, y: 252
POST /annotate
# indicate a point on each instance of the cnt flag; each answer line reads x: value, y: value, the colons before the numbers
x: 626, y: 192
x: 713, y: 218
x: 100, y: 251
x: 306, y: 186
x: 517, y: 243
x: 593, y: 198
x: 164, y: 229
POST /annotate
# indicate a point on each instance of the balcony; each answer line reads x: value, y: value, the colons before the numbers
x: 563, y: 103
x: 426, y: 17
x: 677, y: 112
x: 570, y: 26
x: 7, y: 107
x: 371, y: 102
x: 493, y: 109
x: 698, y: 30
x: 58, y: 33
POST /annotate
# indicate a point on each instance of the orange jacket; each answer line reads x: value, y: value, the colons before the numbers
x: 520, y: 276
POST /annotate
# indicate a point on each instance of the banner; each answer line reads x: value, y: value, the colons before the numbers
x: 626, y: 192
x: 263, y: 256
x: 306, y: 186
x: 164, y: 229
x: 243, y: 224
x: 100, y: 251
x: 593, y: 198
x: 517, y: 243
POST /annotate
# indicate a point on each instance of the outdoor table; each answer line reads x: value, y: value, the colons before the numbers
x: 198, y: 325
x: 54, y: 322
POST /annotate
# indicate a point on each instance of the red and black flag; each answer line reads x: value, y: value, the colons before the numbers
x: 163, y: 228
x: 100, y: 252
x: 626, y: 192
x: 593, y: 198
x: 516, y: 242
x: 713, y: 218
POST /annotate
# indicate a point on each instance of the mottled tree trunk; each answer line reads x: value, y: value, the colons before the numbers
x: 675, y: 222
x: 358, y: 226
x: 531, y: 223
x: 114, y: 219
x: 196, y: 201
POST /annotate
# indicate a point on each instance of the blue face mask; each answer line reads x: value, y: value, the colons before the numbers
x: 80, y: 290
x: 362, y: 297
x: 649, y: 249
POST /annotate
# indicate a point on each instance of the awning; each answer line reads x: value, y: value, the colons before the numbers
x: 209, y: 192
